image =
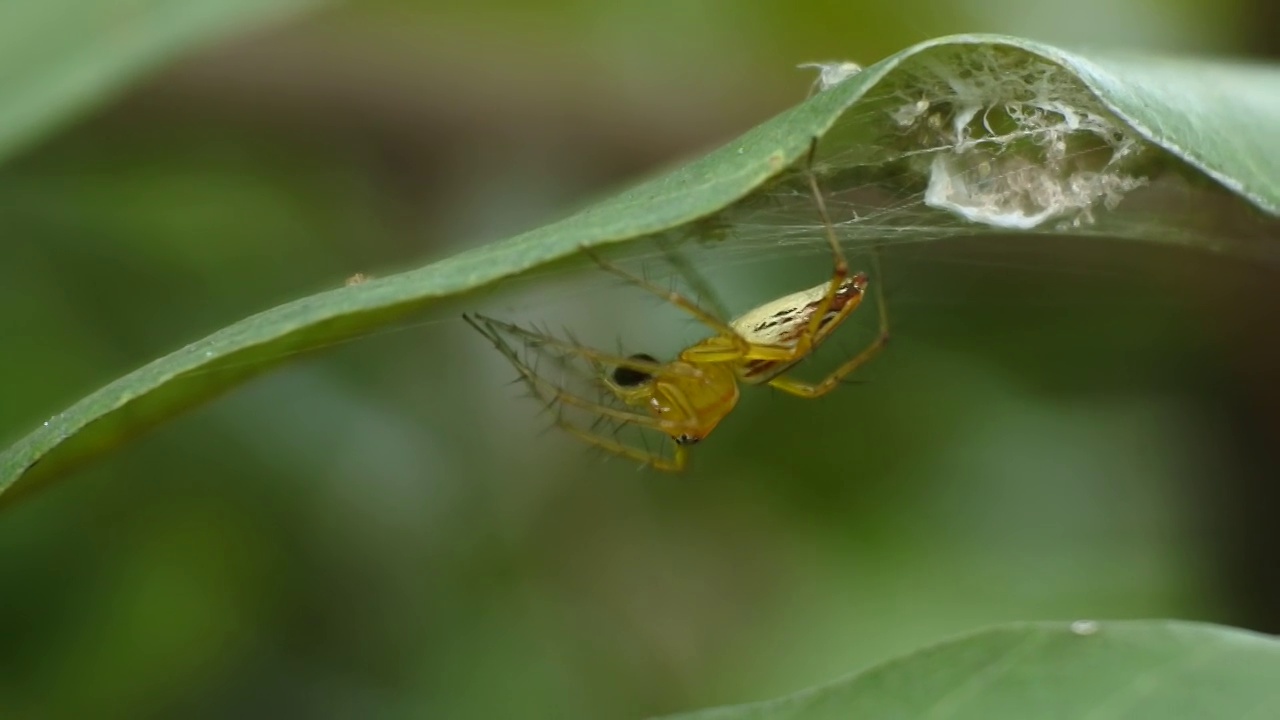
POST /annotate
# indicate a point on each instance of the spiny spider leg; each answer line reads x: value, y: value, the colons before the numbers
x: 840, y: 269
x: 832, y: 381
x: 675, y: 463
x: 597, y: 358
x: 819, y: 325
x: 705, y: 294
x: 817, y: 330
x: 551, y: 394
x: 671, y: 296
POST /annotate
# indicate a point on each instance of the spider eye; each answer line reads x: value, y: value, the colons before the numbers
x: 683, y: 439
x: 630, y: 377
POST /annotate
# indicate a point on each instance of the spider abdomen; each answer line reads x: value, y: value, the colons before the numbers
x: 780, y: 323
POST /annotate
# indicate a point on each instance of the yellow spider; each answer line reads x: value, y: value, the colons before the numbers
x: 686, y: 398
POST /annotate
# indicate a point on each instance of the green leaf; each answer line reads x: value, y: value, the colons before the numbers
x: 1137, y: 669
x: 59, y: 56
x: 994, y: 133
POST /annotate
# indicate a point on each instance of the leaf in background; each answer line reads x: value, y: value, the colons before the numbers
x: 57, y: 57
x: 1052, y: 671
x: 989, y: 132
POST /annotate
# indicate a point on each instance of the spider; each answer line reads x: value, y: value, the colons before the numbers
x: 687, y: 397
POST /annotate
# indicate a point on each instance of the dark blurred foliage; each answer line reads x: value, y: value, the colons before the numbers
x: 384, y: 530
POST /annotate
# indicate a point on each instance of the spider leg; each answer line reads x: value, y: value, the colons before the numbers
x: 819, y: 326
x: 704, y: 292
x: 675, y: 463
x: 492, y: 329
x: 832, y: 381
x: 840, y: 265
x: 710, y: 320
x: 605, y: 438
x: 552, y: 395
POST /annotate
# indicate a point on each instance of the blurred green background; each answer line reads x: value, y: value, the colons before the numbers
x: 1081, y: 430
